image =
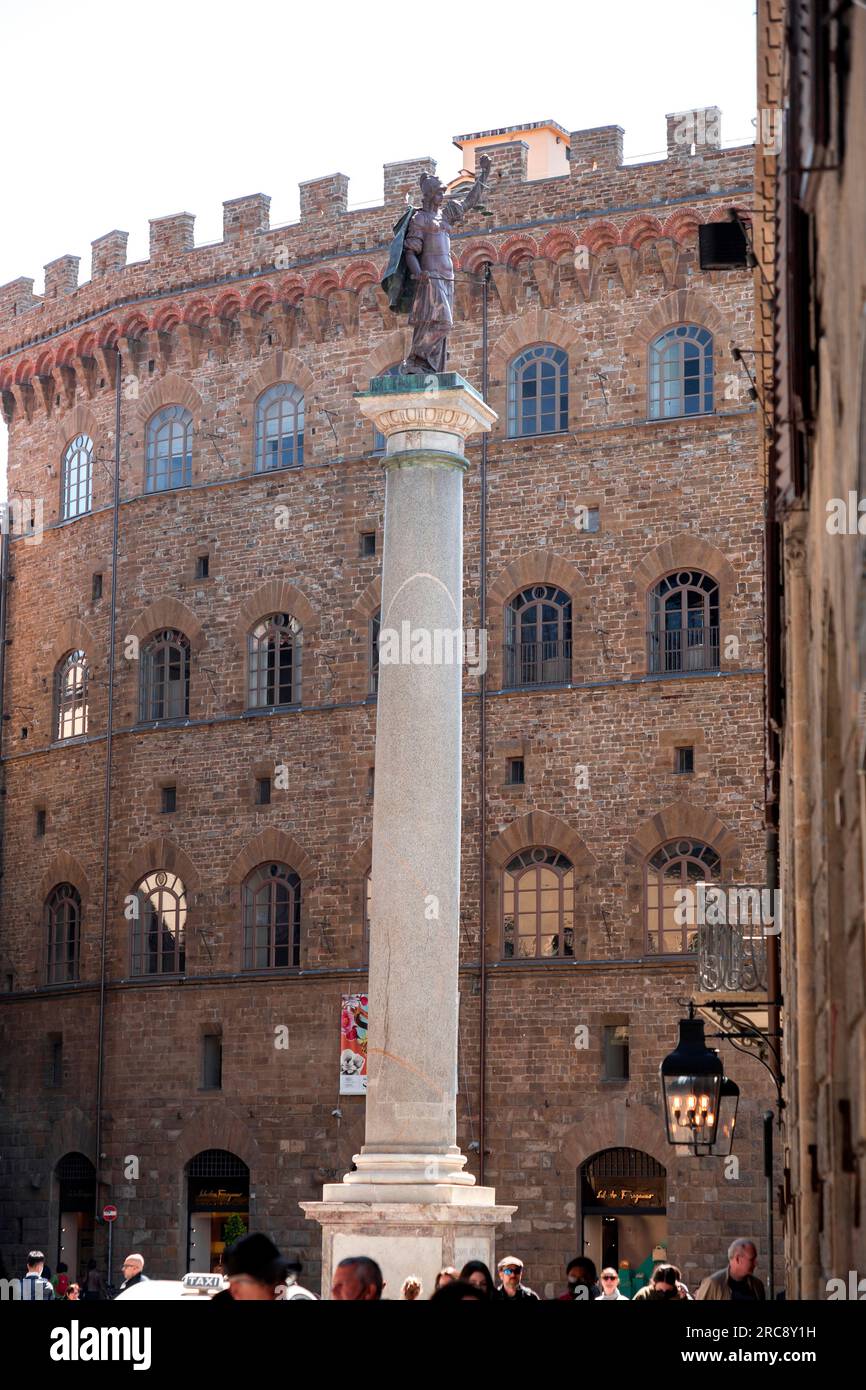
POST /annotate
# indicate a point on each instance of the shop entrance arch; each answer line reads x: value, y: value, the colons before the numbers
x: 218, y: 1203
x: 622, y: 1200
x: 76, y: 1181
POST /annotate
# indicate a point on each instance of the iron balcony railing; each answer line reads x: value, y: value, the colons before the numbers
x: 732, y: 955
x: 683, y: 649
x: 538, y: 663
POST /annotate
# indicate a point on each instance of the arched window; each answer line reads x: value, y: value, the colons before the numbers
x: 272, y: 918
x: 280, y: 428
x: 169, y: 449
x: 684, y: 623
x: 375, y: 623
x: 63, y: 928
x: 159, y: 925
x: 538, y: 905
x: 165, y: 677
x: 275, y: 662
x: 681, y: 372
x: 670, y: 927
x: 538, y: 391
x: 77, y: 477
x: 538, y: 637
x: 70, y: 696
x: 378, y: 437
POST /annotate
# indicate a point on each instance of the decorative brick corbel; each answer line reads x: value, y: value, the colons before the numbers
x: 507, y: 282
x: 159, y: 346
x: 65, y: 383
x: 668, y: 252
x: 587, y: 277
x: 190, y: 340
x: 346, y: 304
x: 218, y: 331
x: 463, y: 290
x: 25, y: 401
x: 45, y: 388
x: 544, y: 273
x: 85, y: 371
x: 105, y: 357
x: 251, y: 327
x: 627, y: 262
x: 316, y: 315
x: 283, y: 319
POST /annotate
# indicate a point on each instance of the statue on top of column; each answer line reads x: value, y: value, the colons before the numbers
x: 420, y: 273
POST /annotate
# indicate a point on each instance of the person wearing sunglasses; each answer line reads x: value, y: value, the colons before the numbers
x: 511, y: 1274
x: 610, y: 1288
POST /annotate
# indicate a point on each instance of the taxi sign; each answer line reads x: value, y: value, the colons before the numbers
x: 203, y: 1281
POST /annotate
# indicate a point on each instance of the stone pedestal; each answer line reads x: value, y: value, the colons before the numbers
x: 408, y: 1203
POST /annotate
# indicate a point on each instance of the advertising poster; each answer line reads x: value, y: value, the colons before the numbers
x: 353, y: 1045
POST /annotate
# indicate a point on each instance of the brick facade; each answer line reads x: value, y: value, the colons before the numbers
x: 210, y: 328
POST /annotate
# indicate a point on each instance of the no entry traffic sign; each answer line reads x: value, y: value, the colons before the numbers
x: 109, y: 1212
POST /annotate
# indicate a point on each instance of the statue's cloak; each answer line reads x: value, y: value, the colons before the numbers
x: 397, y: 282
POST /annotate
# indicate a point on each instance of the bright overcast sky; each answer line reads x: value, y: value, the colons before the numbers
x: 115, y: 113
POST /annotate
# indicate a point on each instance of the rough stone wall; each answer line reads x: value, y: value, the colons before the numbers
x: 212, y: 327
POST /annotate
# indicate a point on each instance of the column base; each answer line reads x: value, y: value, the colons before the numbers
x: 407, y: 1237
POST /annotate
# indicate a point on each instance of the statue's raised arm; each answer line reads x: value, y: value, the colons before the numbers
x: 420, y: 273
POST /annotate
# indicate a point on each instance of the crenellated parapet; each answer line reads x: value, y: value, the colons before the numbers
x: 317, y: 278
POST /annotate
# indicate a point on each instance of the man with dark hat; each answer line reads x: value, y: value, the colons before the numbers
x: 254, y: 1269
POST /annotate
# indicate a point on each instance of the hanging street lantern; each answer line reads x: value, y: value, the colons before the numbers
x: 729, y: 1099
x: 691, y: 1078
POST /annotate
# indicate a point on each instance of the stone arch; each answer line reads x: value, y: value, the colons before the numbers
x: 217, y: 1126
x: 271, y: 844
x: 535, y: 326
x: 391, y: 349
x: 278, y: 596
x: 63, y: 867
x: 681, y: 306
x: 685, y: 551
x: 72, y: 635
x: 359, y: 619
x: 541, y: 829
x: 171, y: 389
x: 169, y: 612
x: 599, y: 1127
x: 640, y: 229
x: 679, y: 820
x: 81, y: 420
x: 536, y: 567
x: 160, y: 853
x: 281, y: 366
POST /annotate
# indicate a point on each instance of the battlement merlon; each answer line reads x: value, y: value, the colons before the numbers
x: 540, y: 156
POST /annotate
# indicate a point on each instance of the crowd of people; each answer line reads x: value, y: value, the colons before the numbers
x: 254, y: 1270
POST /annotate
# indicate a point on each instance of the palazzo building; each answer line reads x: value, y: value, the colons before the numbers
x: 190, y: 610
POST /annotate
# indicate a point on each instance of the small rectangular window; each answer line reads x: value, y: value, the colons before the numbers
x: 263, y: 791
x: 586, y: 518
x: 684, y: 759
x: 169, y: 800
x: 615, y: 1059
x: 202, y: 567
x: 212, y: 1062
x: 368, y: 542
x: 515, y: 774
x: 40, y: 822
x: 96, y: 591
x: 10, y: 983
x: 55, y: 1059
x: 371, y: 780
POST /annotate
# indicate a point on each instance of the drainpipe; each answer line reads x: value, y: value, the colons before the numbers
x: 800, y: 721
x: 106, y: 819
x: 482, y: 746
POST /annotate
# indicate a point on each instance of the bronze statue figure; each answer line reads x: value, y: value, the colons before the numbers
x: 420, y: 273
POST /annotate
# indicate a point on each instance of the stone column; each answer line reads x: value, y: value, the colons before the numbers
x: 408, y: 1202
